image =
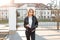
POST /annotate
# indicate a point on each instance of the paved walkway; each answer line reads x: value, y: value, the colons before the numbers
x: 41, y: 34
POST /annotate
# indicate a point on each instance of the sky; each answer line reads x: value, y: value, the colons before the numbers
x: 4, y: 2
x: 35, y: 1
x: 32, y: 1
x: 7, y: 2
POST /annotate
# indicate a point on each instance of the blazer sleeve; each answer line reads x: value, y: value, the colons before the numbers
x: 25, y: 23
x: 36, y: 23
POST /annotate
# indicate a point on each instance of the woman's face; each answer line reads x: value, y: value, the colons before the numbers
x: 31, y: 12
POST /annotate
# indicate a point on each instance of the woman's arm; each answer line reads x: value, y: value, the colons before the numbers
x: 26, y: 25
x: 36, y: 23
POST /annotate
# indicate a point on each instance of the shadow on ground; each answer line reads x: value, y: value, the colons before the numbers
x: 15, y: 36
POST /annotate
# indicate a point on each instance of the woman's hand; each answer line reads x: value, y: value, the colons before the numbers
x: 33, y: 30
x: 28, y: 26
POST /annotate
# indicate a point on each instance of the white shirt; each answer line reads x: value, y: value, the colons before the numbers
x: 30, y: 21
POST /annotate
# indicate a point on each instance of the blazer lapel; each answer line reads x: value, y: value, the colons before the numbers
x: 32, y: 22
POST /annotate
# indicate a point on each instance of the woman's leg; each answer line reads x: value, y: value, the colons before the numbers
x: 27, y: 35
x: 33, y: 35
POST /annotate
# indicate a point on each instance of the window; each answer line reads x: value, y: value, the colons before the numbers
x: 48, y: 16
x: 22, y: 14
x: 44, y: 17
x: 48, y: 12
x: 44, y: 13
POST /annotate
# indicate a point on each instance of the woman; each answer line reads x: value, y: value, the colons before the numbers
x: 30, y: 23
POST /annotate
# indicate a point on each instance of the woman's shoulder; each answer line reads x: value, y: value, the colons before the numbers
x: 26, y: 17
x: 34, y: 16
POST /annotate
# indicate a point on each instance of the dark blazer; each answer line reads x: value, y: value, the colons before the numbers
x: 34, y: 23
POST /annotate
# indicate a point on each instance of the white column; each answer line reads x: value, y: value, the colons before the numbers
x: 12, y: 18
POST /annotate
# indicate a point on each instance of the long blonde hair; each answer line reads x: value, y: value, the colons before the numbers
x: 29, y: 11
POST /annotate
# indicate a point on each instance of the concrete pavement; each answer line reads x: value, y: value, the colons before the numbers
x: 41, y: 34
x: 45, y: 31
